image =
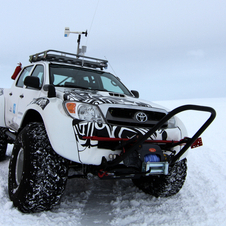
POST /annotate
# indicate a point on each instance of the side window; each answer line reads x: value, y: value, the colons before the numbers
x: 39, y: 72
x: 23, y: 75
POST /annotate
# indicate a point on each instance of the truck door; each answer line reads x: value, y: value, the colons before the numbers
x: 23, y: 96
x: 12, y: 97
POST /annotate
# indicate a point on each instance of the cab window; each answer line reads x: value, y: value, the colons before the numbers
x: 39, y: 72
x: 23, y: 75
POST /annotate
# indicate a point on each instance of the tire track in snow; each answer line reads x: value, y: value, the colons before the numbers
x: 98, y: 209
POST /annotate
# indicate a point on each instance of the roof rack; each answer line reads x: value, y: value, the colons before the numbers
x: 69, y: 58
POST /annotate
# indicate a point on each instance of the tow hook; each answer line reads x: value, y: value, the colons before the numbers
x: 102, y: 173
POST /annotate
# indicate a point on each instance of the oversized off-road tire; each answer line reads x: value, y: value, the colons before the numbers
x: 164, y: 185
x: 3, y: 143
x: 37, y: 175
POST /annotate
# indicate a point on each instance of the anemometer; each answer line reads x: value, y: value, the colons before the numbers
x: 80, y: 51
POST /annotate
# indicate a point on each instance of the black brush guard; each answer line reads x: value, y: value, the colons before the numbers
x: 138, y: 140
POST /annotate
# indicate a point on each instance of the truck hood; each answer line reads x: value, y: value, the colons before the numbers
x: 101, y: 97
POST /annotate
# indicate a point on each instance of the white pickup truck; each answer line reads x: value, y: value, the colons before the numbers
x: 64, y: 113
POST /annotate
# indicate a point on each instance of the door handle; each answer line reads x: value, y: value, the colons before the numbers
x: 21, y: 96
x: 10, y: 94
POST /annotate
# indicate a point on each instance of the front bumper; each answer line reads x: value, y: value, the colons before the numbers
x: 95, y: 141
x: 84, y: 131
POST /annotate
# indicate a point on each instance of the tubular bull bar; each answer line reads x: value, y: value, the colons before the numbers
x: 139, y: 139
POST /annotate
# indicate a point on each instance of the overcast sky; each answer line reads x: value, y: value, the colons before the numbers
x: 165, y: 49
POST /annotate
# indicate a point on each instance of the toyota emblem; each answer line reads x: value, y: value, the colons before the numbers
x: 141, y: 117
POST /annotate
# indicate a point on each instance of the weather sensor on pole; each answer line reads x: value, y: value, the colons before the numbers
x: 66, y: 34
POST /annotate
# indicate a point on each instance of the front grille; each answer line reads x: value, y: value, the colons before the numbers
x: 127, y: 117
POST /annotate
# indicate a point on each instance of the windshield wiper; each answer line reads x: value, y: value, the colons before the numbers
x: 68, y: 84
x: 100, y: 89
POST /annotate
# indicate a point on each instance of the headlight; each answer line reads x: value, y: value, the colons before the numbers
x: 86, y: 112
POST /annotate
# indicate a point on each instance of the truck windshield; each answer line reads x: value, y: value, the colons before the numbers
x: 75, y: 77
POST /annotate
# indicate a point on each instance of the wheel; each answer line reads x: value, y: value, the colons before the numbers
x: 164, y: 185
x: 37, y: 175
x: 3, y: 143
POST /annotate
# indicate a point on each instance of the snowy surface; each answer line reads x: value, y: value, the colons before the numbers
x: 202, y: 200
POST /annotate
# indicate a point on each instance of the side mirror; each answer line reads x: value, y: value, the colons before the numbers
x: 51, y: 90
x: 135, y: 93
x: 33, y: 82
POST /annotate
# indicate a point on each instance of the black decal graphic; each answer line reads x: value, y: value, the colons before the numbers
x: 86, y: 129
x: 42, y: 102
x: 93, y: 97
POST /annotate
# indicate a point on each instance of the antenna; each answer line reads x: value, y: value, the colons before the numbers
x: 66, y: 34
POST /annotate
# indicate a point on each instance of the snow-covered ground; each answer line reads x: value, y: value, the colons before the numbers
x: 202, y: 200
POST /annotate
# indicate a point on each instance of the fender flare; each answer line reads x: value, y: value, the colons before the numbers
x: 58, y: 126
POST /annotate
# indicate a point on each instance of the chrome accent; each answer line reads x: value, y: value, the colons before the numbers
x: 141, y: 117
